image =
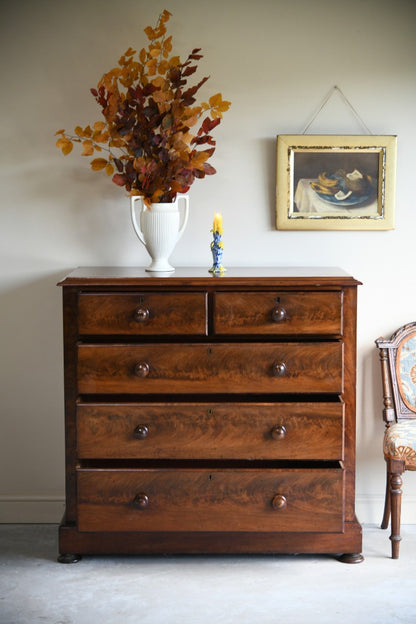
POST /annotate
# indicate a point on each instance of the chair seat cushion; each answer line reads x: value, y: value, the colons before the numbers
x: 400, y: 442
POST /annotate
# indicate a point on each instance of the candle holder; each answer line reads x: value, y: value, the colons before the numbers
x: 217, y: 249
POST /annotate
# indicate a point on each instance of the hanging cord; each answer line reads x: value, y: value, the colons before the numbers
x: 325, y: 101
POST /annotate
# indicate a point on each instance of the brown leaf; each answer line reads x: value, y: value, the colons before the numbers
x: 119, y: 179
x: 209, y: 169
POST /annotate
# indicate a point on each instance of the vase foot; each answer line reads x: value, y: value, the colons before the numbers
x: 160, y: 266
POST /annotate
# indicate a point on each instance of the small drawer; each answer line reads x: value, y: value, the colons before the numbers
x: 274, y: 313
x: 216, y: 499
x: 142, y: 314
x: 301, y: 431
x: 310, y: 367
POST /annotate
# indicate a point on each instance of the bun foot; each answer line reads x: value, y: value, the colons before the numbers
x: 351, y: 558
x: 69, y: 558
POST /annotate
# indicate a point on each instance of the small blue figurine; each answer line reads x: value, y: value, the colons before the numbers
x: 217, y: 246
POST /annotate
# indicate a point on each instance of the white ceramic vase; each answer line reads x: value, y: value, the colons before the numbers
x: 159, y: 229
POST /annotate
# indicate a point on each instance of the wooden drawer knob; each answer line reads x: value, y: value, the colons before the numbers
x: 279, y: 502
x: 142, y: 369
x: 279, y: 369
x: 141, y: 432
x: 279, y: 314
x: 141, y: 501
x: 142, y: 315
x: 278, y: 432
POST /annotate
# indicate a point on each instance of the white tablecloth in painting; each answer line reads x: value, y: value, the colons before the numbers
x: 307, y: 201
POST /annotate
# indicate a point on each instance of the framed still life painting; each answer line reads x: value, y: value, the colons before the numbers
x: 329, y: 182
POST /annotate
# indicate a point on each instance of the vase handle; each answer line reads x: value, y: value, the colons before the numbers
x: 137, y: 229
x: 185, y: 213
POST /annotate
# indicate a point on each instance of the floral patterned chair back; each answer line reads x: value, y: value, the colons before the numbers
x: 398, y: 370
x: 406, y: 375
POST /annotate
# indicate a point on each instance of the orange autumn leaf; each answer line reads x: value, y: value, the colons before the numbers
x: 163, y: 67
x: 150, y: 32
x: 87, y: 132
x: 151, y: 67
x: 87, y: 148
x: 154, y: 52
x: 174, y: 61
x: 65, y: 145
x: 161, y: 96
x: 100, y: 137
x: 159, y: 82
x: 199, y: 159
x: 215, y: 100
x: 98, y: 164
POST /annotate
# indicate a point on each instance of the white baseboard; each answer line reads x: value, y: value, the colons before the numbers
x: 369, y: 509
x: 31, y: 509
x: 49, y: 510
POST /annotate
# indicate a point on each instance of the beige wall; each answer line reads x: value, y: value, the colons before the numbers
x: 275, y: 60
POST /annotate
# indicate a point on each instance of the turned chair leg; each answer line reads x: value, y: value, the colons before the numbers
x: 396, y: 501
x: 387, y: 505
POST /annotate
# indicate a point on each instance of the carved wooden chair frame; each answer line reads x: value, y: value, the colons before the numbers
x: 396, y: 409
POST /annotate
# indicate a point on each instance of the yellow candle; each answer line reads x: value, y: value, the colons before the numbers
x: 217, y: 223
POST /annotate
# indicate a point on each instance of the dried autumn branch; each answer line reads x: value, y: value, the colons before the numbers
x: 149, y: 111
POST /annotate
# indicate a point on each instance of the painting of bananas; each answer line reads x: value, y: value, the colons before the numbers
x: 335, y: 182
x: 344, y: 188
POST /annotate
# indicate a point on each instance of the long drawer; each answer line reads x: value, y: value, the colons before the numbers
x: 283, y: 313
x: 218, y: 499
x: 203, y: 368
x: 301, y: 431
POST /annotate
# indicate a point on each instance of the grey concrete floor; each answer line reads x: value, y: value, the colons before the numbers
x: 35, y: 589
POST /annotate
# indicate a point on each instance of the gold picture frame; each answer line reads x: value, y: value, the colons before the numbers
x: 335, y: 182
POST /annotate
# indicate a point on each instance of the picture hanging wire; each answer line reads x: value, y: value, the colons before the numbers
x: 347, y: 102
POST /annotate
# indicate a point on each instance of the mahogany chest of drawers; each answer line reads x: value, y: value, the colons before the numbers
x: 209, y: 414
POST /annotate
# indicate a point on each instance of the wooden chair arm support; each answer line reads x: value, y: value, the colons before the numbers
x: 388, y: 411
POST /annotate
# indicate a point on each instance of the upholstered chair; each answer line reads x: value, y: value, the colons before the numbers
x: 398, y: 370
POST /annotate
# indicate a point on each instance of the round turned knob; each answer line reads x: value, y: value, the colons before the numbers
x: 141, y: 432
x: 279, y: 369
x: 142, y: 369
x: 279, y: 502
x: 142, y: 315
x: 278, y: 432
x: 279, y: 314
x: 141, y: 501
